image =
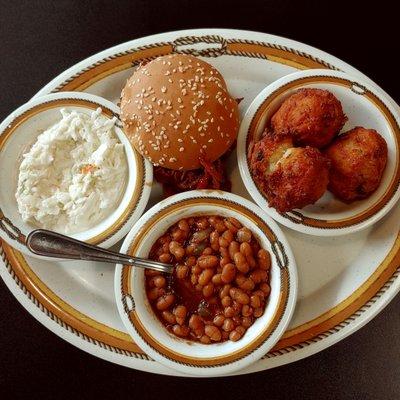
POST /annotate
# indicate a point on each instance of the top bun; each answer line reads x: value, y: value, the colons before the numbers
x: 176, y: 109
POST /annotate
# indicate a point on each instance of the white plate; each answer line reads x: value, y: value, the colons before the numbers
x: 364, y: 106
x: 343, y: 281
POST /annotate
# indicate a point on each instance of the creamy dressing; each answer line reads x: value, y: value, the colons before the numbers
x: 74, y: 174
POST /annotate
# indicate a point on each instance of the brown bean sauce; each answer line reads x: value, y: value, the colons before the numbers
x: 220, y: 283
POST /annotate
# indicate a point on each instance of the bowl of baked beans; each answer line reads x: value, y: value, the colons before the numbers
x: 231, y: 294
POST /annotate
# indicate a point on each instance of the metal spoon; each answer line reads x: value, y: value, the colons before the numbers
x: 52, y: 244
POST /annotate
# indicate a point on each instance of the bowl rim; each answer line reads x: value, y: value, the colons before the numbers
x: 268, y: 335
x: 136, y: 199
x: 295, y: 219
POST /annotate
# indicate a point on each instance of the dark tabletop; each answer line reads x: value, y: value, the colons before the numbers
x: 40, y: 39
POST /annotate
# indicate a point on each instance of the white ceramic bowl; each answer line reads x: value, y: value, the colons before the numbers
x: 17, y: 134
x: 364, y: 106
x: 192, y: 357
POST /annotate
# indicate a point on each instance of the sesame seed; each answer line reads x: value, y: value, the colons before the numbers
x: 163, y: 89
x: 181, y: 149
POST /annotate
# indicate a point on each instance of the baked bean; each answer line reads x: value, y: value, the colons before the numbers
x: 155, y: 293
x: 228, y: 273
x: 205, y: 276
x: 165, y: 301
x: 195, y: 322
x: 180, y: 311
x: 207, y: 251
x: 183, y: 225
x: 226, y: 301
x: 247, y: 311
x: 243, y: 235
x: 247, y: 322
x: 229, y: 312
x: 159, y: 281
x: 193, y: 279
x: 240, y: 329
x: 244, y: 283
x: 190, y: 261
x: 205, y: 339
x: 228, y: 235
x: 224, y: 260
x: 213, y: 333
x: 207, y: 261
x: 202, y: 223
x: 225, y: 291
x: 196, y: 270
x: 164, y: 239
x: 180, y: 330
x: 241, y: 262
x: 259, y: 293
x: 216, y: 279
x: 218, y: 224
x: 223, y: 242
x: 234, y: 247
x: 236, y: 306
x: 165, y: 258
x: 228, y: 325
x: 178, y: 235
x: 176, y: 250
x: 258, y: 275
x: 214, y: 240
x: 258, y: 312
x: 246, y: 249
x: 181, y: 271
x: 264, y: 259
x: 255, y: 301
x: 239, y: 295
x: 189, y: 250
x: 265, y: 288
x: 208, y: 290
x: 169, y: 317
x: 234, y: 336
x: 198, y: 332
x: 220, y: 270
x: 218, y: 320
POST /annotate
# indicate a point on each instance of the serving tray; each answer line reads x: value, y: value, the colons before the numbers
x: 343, y: 281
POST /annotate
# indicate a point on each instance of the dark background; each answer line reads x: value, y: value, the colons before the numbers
x: 40, y: 39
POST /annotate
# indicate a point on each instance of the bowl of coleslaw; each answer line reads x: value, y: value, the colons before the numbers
x: 66, y: 165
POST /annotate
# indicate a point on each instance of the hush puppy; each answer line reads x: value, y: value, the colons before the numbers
x: 311, y: 116
x: 358, y: 159
x: 289, y: 177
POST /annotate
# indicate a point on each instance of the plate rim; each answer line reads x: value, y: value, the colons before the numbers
x: 386, y: 292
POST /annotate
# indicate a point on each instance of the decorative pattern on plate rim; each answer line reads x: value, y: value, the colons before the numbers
x: 231, y: 47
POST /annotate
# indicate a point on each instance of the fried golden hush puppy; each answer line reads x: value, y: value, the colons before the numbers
x: 358, y: 159
x: 313, y: 117
x: 290, y: 177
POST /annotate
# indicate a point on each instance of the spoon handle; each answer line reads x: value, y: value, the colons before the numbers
x: 52, y: 244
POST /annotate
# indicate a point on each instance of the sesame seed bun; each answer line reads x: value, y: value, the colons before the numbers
x: 176, y: 109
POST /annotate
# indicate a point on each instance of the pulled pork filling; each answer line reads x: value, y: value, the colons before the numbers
x: 210, y: 176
